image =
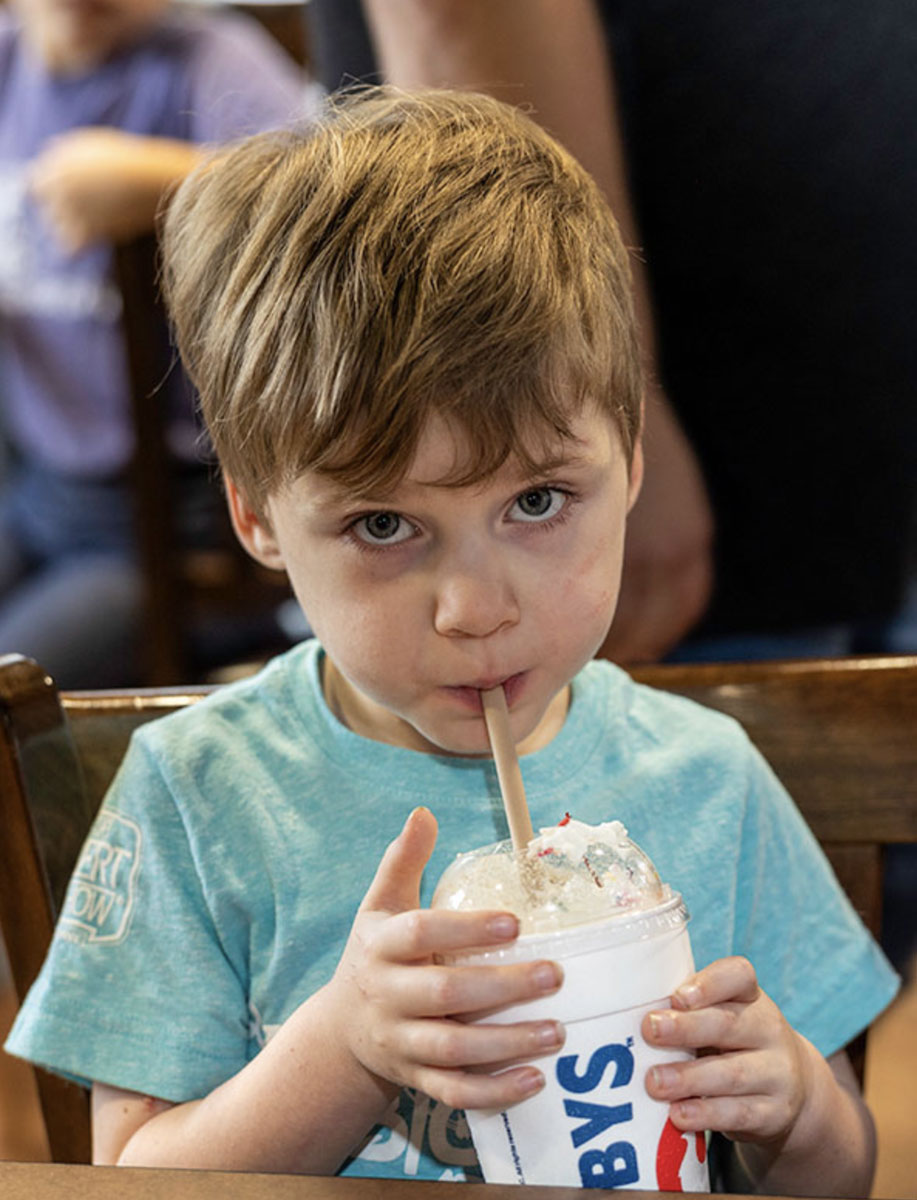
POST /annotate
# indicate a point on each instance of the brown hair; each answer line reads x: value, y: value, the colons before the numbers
x: 331, y: 286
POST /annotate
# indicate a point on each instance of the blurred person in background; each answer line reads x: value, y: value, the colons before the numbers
x: 103, y: 105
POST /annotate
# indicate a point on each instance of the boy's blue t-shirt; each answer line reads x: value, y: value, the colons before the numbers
x: 218, y: 886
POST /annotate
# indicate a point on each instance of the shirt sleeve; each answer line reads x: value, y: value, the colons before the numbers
x: 137, y: 990
x: 244, y: 82
x: 813, y: 955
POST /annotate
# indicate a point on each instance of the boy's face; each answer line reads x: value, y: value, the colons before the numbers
x: 423, y: 596
x: 72, y: 36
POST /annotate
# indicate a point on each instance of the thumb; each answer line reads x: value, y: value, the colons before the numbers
x: 396, y: 886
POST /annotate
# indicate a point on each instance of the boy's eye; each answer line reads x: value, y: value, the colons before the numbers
x: 382, y: 527
x: 538, y: 504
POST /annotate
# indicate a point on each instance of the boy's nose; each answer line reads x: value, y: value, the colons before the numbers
x: 471, y: 605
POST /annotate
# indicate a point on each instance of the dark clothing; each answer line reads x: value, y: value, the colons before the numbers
x: 341, y: 48
x: 773, y: 159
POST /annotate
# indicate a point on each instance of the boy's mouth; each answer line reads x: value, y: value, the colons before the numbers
x: 470, y: 694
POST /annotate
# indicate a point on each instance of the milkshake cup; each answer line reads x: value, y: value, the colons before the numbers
x: 588, y: 898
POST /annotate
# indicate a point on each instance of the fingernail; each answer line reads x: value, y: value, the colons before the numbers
x: 689, y: 995
x: 663, y: 1077
x: 549, y: 1035
x: 503, y: 927
x: 530, y: 1082
x: 547, y: 976
x: 662, y: 1024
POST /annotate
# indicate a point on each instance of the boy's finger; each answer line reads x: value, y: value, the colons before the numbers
x: 463, y: 1090
x: 420, y: 933
x: 741, y: 1118
x: 723, y: 980
x: 456, y: 1045
x: 396, y: 886
x: 742, y: 1074
x: 468, y: 991
x: 722, y: 1027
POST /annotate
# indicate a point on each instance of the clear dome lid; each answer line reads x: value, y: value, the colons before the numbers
x: 570, y: 874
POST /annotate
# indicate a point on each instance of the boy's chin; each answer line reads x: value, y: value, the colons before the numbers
x: 470, y: 742
x: 464, y: 739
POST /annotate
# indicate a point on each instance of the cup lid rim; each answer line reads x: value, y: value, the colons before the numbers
x: 632, y: 926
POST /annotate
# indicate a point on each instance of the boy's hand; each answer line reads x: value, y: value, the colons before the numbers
x: 404, y: 1017
x: 751, y: 1078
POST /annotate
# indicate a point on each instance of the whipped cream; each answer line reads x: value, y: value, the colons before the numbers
x: 569, y: 874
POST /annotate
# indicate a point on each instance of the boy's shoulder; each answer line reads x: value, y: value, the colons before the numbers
x: 643, y: 738
x: 242, y: 79
x: 654, y: 714
x: 273, y: 698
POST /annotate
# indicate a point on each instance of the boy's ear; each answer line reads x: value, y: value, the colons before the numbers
x: 252, y: 530
x: 636, y: 475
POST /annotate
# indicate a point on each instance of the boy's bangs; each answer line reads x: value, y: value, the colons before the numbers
x: 531, y: 427
x: 437, y: 254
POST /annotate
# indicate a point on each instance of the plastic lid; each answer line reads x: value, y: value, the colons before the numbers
x: 571, y: 874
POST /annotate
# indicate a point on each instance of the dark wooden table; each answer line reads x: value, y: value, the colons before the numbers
x: 55, y: 1181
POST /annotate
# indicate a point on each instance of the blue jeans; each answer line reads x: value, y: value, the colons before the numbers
x: 71, y: 595
x: 71, y: 588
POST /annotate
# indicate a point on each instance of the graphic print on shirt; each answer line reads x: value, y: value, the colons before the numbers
x: 100, y: 899
x: 417, y: 1128
x: 37, y: 277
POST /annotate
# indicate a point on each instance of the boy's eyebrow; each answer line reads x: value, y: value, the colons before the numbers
x: 575, y: 453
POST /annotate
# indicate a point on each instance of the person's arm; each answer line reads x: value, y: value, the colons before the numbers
x: 798, y: 1122
x: 390, y: 1016
x: 300, y: 1106
x: 100, y: 184
x: 551, y: 56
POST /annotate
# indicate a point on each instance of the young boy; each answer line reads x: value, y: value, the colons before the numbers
x: 413, y: 338
x: 103, y: 108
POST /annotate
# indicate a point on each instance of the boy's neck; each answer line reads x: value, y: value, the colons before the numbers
x: 370, y: 720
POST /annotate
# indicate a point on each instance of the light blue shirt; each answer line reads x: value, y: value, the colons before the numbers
x: 217, y: 889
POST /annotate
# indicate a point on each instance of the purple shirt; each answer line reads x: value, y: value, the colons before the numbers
x: 200, y: 78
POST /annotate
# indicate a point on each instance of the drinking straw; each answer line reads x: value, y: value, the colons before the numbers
x: 496, y: 715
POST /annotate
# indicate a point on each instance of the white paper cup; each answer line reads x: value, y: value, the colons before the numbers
x: 593, y: 1124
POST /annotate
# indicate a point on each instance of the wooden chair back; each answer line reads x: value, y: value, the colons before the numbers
x: 58, y: 755
x: 185, y: 588
x: 840, y: 733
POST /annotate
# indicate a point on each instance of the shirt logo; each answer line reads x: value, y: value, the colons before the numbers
x: 100, y: 899
x: 420, y: 1137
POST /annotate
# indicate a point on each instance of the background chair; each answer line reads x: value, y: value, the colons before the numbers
x: 841, y: 734
x: 205, y: 606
